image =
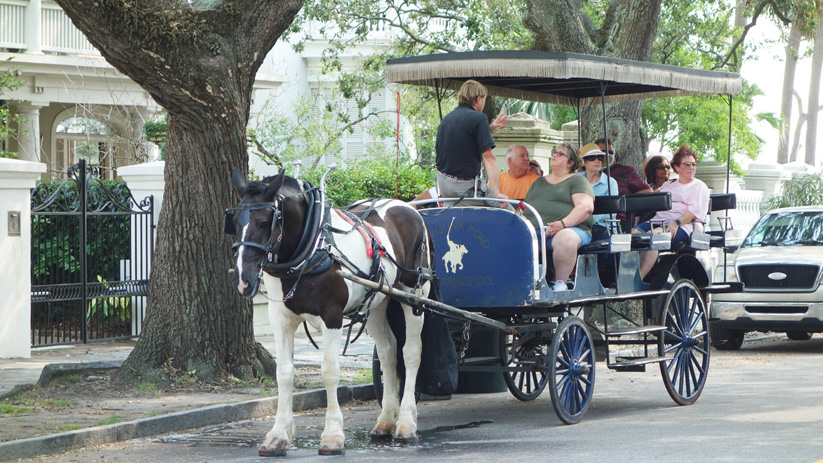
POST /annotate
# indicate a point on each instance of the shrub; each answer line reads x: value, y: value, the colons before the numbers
x: 374, y: 178
x: 801, y: 190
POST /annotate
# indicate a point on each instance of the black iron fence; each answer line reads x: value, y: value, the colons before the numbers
x: 92, y: 244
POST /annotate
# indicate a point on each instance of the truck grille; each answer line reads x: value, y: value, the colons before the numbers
x: 797, y: 276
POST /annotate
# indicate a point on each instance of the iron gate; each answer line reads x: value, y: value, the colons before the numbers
x: 90, y: 258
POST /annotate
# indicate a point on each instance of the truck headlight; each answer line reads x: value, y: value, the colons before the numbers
x: 726, y: 273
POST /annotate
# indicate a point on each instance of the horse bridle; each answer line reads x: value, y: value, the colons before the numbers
x: 272, y: 245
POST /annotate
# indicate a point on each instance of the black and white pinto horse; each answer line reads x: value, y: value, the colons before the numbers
x: 286, y: 234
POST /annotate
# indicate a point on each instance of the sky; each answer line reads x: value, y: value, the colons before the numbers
x: 767, y: 72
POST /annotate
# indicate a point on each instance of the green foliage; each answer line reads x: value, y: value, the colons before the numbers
x: 702, y: 123
x: 56, y: 250
x: 373, y: 178
x: 106, y: 310
x: 155, y: 131
x: 9, y: 80
x: 801, y: 190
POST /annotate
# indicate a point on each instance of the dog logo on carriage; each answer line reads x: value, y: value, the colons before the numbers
x: 453, y: 258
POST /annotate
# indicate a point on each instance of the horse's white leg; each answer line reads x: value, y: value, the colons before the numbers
x: 332, y: 438
x: 386, y: 343
x: 407, y: 420
x: 284, y: 323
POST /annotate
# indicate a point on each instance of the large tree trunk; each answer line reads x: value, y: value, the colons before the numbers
x: 628, y: 31
x: 814, y: 92
x: 198, y: 60
x: 789, y: 69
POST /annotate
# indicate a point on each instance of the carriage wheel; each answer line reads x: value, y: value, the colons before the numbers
x: 377, y: 380
x: 799, y: 335
x: 571, y: 371
x: 686, y: 343
x: 531, y: 354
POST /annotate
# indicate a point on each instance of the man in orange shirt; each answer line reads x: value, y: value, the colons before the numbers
x: 516, y: 181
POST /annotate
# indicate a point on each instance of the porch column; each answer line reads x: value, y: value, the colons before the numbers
x: 32, y: 21
x: 17, y: 178
x: 28, y: 132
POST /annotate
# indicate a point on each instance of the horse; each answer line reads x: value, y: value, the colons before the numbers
x: 298, y: 244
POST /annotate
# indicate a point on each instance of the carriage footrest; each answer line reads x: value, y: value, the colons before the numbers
x: 636, y: 330
x: 634, y: 363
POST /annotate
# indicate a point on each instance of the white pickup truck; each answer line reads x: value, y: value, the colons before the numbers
x: 779, y: 264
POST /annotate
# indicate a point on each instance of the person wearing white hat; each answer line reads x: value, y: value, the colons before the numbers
x: 594, y: 160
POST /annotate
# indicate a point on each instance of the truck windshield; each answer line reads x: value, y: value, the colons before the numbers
x: 787, y: 229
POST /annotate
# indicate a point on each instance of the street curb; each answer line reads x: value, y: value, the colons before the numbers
x: 178, y: 421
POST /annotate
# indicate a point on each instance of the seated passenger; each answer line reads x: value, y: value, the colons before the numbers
x: 690, y: 201
x: 534, y: 167
x: 603, y: 185
x: 657, y: 171
x: 565, y: 202
x: 516, y: 181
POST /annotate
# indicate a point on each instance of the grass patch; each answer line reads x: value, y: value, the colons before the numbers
x: 152, y: 414
x: 148, y: 389
x: 7, y: 408
x: 53, y: 404
x: 364, y: 376
x: 111, y: 420
x: 68, y: 427
x: 72, y: 379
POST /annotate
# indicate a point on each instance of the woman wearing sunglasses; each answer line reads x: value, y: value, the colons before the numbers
x: 690, y: 201
x: 657, y: 171
x: 594, y: 161
x: 565, y: 202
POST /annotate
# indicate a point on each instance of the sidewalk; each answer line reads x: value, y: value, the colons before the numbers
x: 24, y: 372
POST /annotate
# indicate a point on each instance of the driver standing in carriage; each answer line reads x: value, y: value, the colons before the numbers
x: 464, y: 140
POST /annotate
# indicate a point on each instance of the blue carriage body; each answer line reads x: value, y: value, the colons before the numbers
x: 484, y: 257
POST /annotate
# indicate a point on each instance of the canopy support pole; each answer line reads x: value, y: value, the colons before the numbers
x: 729, y: 153
x: 606, y: 137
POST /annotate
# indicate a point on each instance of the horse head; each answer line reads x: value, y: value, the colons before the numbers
x: 257, y: 226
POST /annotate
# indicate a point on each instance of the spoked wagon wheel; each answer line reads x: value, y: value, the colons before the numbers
x: 686, y: 343
x: 571, y: 370
x: 530, y: 353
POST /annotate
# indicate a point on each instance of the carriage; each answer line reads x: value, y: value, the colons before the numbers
x: 492, y: 270
x: 487, y: 272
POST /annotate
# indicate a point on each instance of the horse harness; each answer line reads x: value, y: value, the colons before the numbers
x: 313, y: 254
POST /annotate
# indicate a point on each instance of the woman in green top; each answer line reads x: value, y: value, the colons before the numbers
x: 565, y: 202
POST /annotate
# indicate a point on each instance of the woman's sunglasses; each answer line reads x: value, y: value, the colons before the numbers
x: 599, y: 157
x: 664, y: 167
x: 688, y: 164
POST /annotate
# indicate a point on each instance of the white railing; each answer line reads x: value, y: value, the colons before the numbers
x: 12, y: 24
x: 59, y: 35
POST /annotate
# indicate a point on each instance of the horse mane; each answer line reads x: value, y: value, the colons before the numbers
x: 290, y: 186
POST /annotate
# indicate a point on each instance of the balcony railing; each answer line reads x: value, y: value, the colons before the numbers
x: 57, y: 33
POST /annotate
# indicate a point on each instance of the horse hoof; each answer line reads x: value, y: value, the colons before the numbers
x: 272, y: 448
x: 271, y: 453
x: 331, y: 446
x: 382, y: 431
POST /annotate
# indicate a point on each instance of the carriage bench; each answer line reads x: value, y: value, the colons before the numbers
x: 614, y: 241
x: 645, y: 205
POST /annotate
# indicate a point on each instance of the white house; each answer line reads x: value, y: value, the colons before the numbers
x: 75, y: 103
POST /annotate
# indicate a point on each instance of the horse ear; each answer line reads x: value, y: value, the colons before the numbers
x: 275, y: 184
x: 239, y: 182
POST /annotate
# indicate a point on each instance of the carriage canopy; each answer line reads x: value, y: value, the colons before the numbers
x: 558, y: 77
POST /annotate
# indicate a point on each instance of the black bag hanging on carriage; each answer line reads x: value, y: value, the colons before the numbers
x: 438, y: 363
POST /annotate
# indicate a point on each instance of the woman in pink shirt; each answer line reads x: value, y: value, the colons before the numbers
x: 690, y: 201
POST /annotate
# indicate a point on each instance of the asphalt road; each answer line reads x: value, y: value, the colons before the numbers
x: 763, y: 403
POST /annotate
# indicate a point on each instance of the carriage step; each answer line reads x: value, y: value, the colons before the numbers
x: 636, y: 330
x: 634, y: 363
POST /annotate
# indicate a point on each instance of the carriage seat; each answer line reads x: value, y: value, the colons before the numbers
x: 725, y: 237
x: 614, y: 241
x: 647, y: 204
